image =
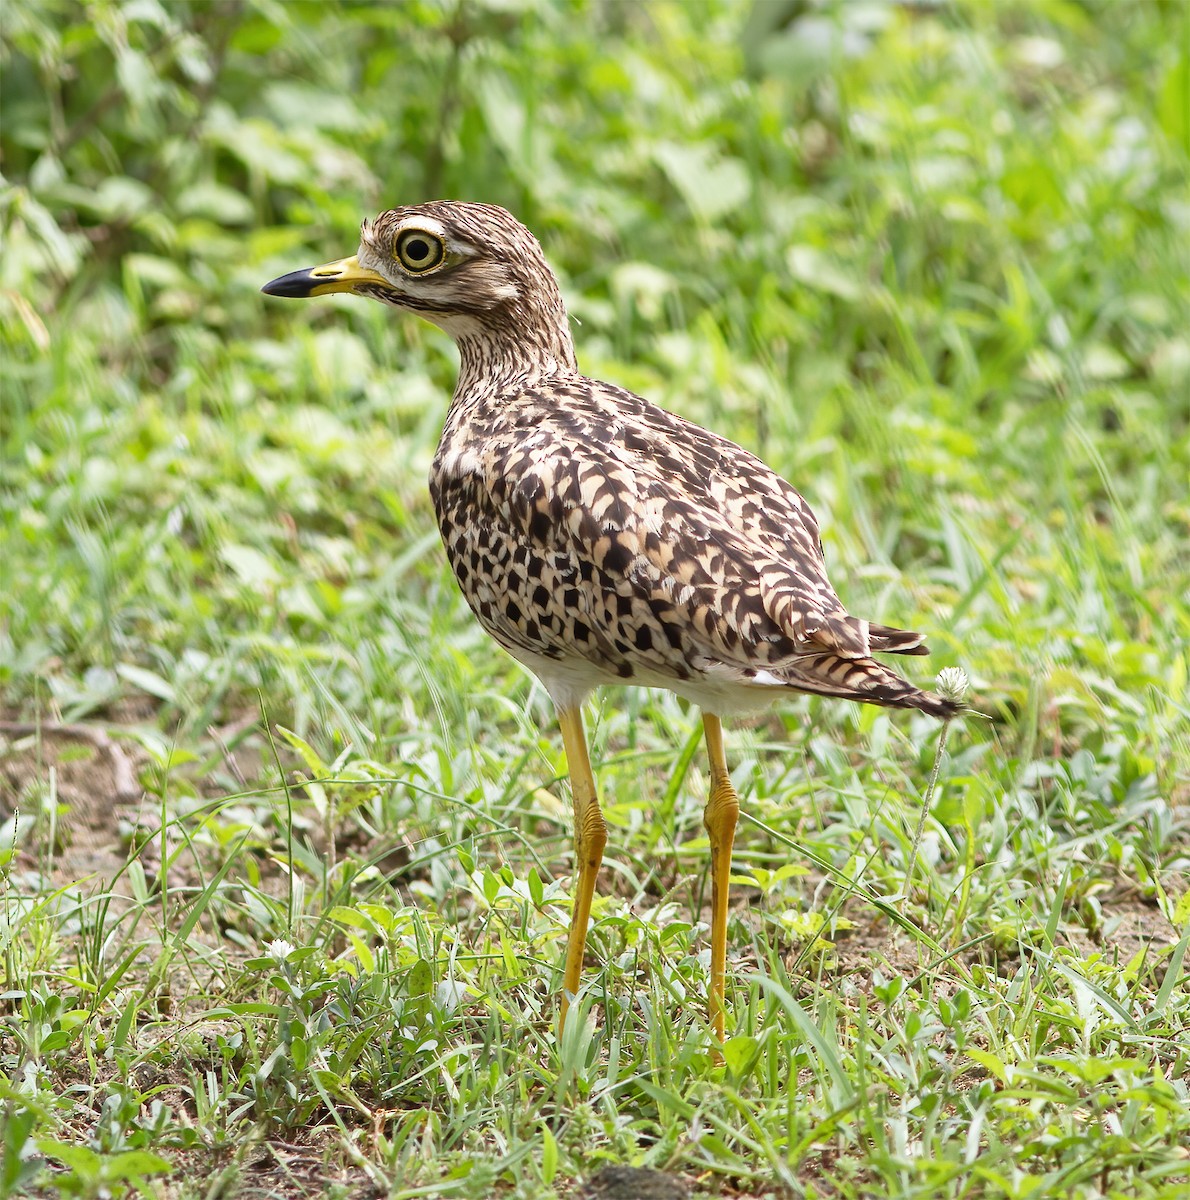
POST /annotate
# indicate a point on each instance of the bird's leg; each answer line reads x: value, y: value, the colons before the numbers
x: 720, y: 816
x: 590, y: 837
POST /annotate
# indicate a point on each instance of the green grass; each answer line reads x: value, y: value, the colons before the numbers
x: 933, y: 263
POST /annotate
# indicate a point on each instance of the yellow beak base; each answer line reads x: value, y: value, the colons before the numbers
x: 342, y: 276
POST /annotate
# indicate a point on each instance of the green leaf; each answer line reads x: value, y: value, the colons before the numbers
x: 421, y: 978
x: 549, y: 1156
x: 306, y: 752
x: 301, y: 106
x: 816, y: 269
x: 217, y: 202
x: 148, y: 681
x: 990, y: 1063
x: 256, y: 571
x: 79, y: 1159
x: 136, y: 1164
x: 16, y: 1167
x: 710, y: 185
x: 1173, y: 103
x: 739, y: 1053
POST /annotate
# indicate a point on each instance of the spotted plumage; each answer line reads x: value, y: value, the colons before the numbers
x: 599, y: 538
x: 591, y: 529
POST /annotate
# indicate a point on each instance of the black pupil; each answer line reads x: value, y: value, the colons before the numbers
x: 417, y: 250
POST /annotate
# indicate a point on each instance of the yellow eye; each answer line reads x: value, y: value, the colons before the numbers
x: 420, y: 251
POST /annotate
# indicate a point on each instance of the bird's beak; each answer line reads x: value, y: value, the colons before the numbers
x: 342, y: 276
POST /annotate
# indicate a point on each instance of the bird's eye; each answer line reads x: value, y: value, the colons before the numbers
x: 420, y: 251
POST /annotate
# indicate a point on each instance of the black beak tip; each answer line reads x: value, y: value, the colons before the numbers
x: 296, y: 284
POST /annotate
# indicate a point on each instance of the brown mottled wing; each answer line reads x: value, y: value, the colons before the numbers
x: 709, y: 556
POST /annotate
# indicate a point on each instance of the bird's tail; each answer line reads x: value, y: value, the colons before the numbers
x: 865, y: 680
x: 887, y: 640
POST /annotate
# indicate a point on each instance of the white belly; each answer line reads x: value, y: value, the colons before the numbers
x: 569, y: 681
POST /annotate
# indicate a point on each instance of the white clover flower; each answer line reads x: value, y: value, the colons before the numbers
x: 953, y: 684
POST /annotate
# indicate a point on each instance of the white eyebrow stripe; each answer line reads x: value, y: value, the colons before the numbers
x: 428, y: 224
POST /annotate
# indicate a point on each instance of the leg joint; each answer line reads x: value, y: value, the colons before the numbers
x: 723, y: 806
x: 592, y: 835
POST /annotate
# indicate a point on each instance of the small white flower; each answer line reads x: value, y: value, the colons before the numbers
x: 953, y: 684
x: 280, y: 949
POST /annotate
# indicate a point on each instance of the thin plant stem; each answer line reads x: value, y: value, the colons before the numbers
x: 927, y: 800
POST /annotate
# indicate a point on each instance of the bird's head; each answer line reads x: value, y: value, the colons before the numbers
x: 471, y: 269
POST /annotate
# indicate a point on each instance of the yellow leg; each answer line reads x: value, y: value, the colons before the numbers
x: 590, y: 837
x: 720, y: 816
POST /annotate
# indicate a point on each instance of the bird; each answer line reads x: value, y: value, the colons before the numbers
x: 601, y: 539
